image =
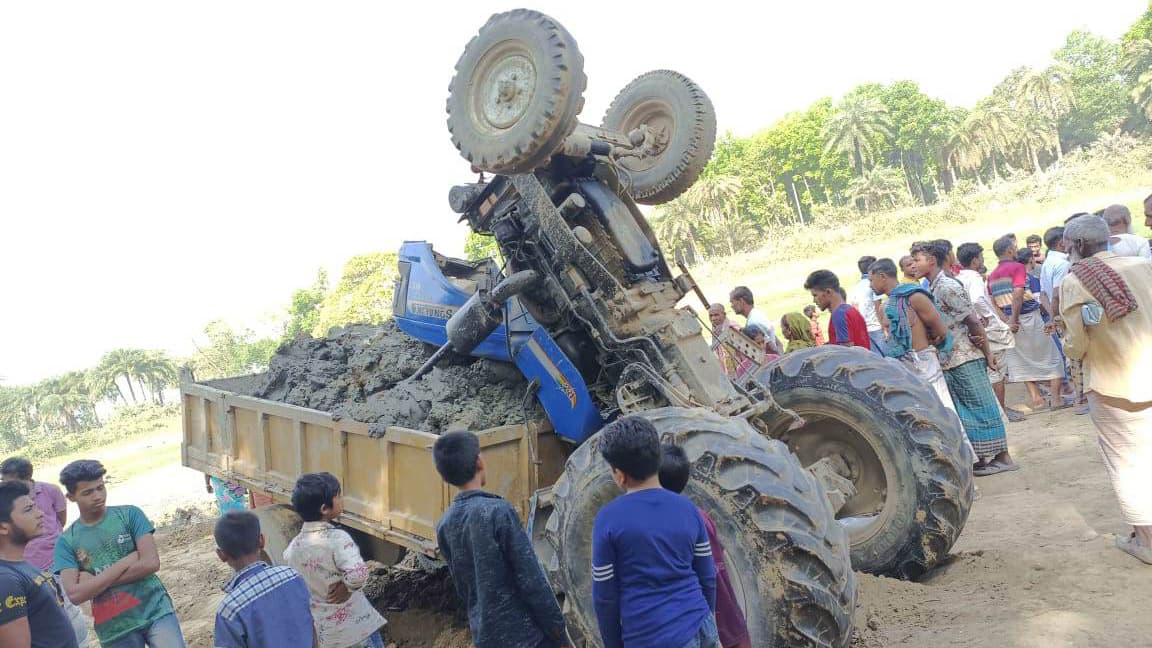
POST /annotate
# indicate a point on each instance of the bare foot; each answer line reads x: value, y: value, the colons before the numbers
x: 1004, y: 459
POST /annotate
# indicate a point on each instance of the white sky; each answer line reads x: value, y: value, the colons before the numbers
x: 163, y: 164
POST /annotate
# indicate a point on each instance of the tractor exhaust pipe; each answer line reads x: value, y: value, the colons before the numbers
x: 482, y: 314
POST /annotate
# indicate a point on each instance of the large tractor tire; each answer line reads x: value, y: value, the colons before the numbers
x: 683, y: 122
x: 518, y: 88
x: 787, y: 557
x: 891, y: 436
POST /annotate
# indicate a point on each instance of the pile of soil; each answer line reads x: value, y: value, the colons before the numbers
x: 357, y: 372
x: 408, y: 585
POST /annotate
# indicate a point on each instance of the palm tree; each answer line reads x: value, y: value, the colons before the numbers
x: 859, y: 127
x: 126, y: 364
x: 880, y: 184
x: 76, y: 389
x: 715, y: 198
x: 1136, y: 62
x: 678, y: 228
x: 992, y: 125
x: 1049, y: 92
x: 1034, y: 134
x: 965, y: 151
x: 160, y: 373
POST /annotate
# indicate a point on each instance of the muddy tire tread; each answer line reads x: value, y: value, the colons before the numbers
x: 803, y: 551
x: 945, y: 491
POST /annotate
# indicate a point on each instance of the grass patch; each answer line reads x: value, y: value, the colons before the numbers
x: 126, y: 458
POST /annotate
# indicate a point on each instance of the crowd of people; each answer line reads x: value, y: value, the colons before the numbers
x: 1067, y: 316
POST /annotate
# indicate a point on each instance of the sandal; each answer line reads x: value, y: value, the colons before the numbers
x: 1014, y: 416
x: 1136, y: 550
x: 988, y: 469
x: 1013, y: 467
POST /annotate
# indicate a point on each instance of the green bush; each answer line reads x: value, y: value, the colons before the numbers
x: 125, y: 423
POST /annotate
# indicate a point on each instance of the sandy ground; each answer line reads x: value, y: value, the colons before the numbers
x: 157, y: 492
x: 1035, y: 566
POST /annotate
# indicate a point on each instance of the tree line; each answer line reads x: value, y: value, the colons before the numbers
x: 886, y: 146
x: 879, y: 147
x: 70, y: 403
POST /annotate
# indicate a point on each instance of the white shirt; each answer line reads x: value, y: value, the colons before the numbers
x: 999, y: 335
x: 757, y: 318
x: 1130, y: 245
x: 325, y: 555
x: 864, y: 299
x: 1052, y: 273
x: 977, y: 293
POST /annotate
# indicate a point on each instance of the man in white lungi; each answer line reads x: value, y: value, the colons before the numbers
x: 1106, y: 313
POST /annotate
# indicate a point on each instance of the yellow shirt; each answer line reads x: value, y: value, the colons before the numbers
x: 1117, y: 355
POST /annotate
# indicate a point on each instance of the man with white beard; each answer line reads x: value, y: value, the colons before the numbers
x: 1124, y: 241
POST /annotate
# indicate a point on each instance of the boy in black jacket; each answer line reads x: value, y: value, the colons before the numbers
x: 490, y: 557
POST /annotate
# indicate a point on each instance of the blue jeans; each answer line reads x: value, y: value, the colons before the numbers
x: 707, y: 636
x: 163, y: 633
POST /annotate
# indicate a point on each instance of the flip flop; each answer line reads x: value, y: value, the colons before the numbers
x: 988, y: 469
x: 1139, y: 552
x: 1014, y: 416
x: 1005, y: 467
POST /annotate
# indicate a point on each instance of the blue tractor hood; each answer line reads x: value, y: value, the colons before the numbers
x: 432, y: 287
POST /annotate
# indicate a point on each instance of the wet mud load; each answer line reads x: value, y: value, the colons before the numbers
x: 358, y: 372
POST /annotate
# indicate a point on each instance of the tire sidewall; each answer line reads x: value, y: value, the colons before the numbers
x: 897, y: 454
x: 928, y: 489
x: 672, y: 174
x: 518, y: 146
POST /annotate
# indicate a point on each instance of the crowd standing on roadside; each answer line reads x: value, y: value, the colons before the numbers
x: 1069, y: 316
x: 1066, y: 316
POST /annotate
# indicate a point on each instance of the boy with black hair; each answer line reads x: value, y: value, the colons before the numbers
x: 332, y: 567
x: 490, y: 557
x: 870, y: 306
x: 653, y: 578
x: 49, y: 499
x: 846, y: 326
x: 263, y: 606
x: 966, y: 367
x: 1000, y: 338
x: 109, y: 557
x: 39, y: 551
x: 31, y: 605
x: 675, y: 471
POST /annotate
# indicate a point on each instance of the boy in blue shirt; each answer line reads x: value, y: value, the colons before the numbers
x: 263, y: 607
x: 653, y: 578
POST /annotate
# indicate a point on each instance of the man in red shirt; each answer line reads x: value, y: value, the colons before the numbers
x: 846, y: 327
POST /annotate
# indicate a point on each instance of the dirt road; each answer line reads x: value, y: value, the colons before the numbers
x: 1034, y: 568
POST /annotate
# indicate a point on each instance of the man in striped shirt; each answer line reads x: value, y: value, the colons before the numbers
x: 653, y: 577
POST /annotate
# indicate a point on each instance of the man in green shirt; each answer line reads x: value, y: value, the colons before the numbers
x: 109, y: 557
